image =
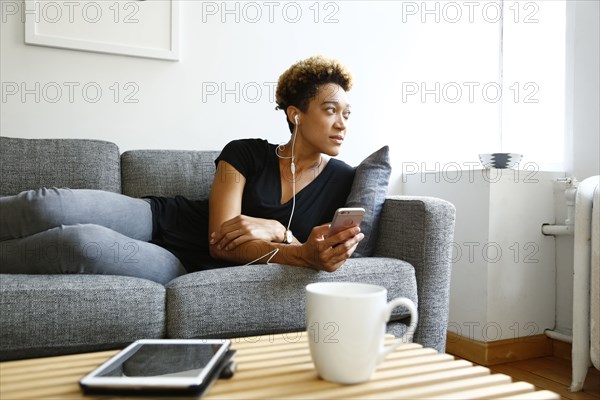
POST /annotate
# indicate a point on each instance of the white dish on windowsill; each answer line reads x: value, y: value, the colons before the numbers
x: 500, y: 160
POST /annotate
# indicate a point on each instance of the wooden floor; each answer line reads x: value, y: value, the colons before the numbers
x: 552, y: 373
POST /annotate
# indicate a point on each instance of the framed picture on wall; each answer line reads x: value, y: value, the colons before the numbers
x: 139, y: 28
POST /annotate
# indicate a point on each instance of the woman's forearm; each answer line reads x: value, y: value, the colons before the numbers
x: 260, y: 251
x: 318, y: 252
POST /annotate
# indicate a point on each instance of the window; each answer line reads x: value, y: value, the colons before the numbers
x: 479, y: 77
x: 533, y: 72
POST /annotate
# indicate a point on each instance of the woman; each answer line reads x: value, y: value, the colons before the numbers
x: 267, y: 202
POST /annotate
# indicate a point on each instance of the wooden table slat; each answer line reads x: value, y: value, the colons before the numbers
x: 395, y: 383
x: 316, y: 388
x: 490, y: 392
x: 311, y: 375
x: 434, y: 389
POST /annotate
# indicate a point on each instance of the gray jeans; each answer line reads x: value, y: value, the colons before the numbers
x: 80, y: 231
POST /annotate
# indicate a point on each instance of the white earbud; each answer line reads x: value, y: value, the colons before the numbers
x: 293, y: 166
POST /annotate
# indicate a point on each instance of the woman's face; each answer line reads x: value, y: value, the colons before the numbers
x: 323, y: 125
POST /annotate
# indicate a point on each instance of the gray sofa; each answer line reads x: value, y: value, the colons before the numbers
x: 44, y: 315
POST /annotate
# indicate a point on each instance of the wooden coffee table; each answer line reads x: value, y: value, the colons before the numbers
x: 279, y: 366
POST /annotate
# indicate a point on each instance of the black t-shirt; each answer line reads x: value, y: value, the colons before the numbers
x: 180, y: 225
x: 315, y: 204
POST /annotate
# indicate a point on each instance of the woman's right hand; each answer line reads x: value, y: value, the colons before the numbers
x: 242, y: 229
x: 328, y: 253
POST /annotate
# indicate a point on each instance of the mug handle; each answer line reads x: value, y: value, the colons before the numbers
x: 387, y: 313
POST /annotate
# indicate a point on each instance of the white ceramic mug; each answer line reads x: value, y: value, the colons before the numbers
x: 346, y: 324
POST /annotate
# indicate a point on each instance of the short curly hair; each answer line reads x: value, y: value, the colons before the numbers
x: 299, y: 84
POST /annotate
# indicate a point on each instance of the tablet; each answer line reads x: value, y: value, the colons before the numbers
x: 185, y: 366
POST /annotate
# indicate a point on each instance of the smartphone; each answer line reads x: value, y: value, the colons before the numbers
x: 167, y: 366
x: 344, y: 218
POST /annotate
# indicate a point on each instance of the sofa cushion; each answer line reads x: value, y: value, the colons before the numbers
x: 168, y: 173
x: 369, y: 189
x: 65, y: 163
x: 262, y: 299
x: 45, y: 315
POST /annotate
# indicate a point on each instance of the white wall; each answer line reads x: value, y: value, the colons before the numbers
x: 426, y: 75
x: 503, y: 276
x: 386, y: 44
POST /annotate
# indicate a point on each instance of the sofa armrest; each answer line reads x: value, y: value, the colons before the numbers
x: 420, y: 230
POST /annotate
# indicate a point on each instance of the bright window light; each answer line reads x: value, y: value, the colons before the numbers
x: 480, y: 77
x: 533, y: 81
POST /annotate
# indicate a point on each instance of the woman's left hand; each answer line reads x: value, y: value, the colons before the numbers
x: 242, y: 229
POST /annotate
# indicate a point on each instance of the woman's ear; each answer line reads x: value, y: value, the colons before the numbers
x: 293, y: 114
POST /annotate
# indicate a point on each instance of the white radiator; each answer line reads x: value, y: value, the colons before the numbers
x: 586, y: 281
x: 595, y: 283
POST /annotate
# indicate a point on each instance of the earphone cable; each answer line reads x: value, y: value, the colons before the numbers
x: 293, y: 167
x: 273, y: 252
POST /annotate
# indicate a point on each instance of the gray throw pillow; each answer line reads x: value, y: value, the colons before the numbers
x: 369, y: 190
